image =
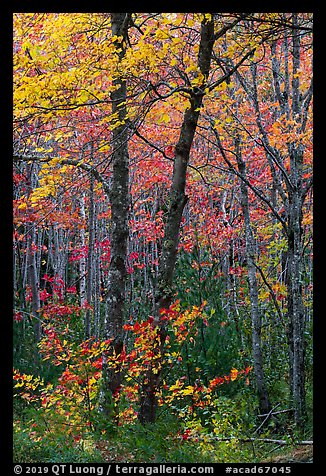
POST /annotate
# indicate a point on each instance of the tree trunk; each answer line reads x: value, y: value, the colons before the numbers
x: 82, y: 261
x: 90, y: 259
x: 296, y: 312
x: 295, y: 253
x: 264, y: 404
x: 33, y: 281
x: 119, y: 199
x: 32, y: 273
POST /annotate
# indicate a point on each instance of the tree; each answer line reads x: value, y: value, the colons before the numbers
x: 264, y: 404
x: 295, y: 193
x: 119, y: 200
x: 290, y: 175
x: 164, y: 294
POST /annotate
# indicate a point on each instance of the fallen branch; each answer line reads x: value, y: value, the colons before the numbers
x: 262, y: 440
x: 278, y: 442
x: 276, y: 413
x: 271, y: 412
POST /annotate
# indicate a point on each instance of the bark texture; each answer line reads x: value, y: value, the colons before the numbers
x: 119, y: 200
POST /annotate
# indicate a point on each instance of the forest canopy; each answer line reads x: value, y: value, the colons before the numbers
x: 163, y: 259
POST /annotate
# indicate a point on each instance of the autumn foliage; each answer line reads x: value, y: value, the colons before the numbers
x: 162, y: 213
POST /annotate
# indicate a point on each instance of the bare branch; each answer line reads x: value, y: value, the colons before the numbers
x: 75, y: 162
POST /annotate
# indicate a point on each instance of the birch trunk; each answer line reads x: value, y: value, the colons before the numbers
x: 90, y: 259
x: 82, y: 261
x: 33, y: 281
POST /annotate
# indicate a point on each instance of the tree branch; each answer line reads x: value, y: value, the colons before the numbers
x: 247, y: 182
x: 75, y: 162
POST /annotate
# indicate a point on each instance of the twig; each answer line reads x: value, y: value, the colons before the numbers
x: 272, y: 293
x: 267, y: 417
x: 275, y: 448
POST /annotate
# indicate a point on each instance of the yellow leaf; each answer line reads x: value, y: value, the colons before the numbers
x: 164, y: 118
x: 188, y: 390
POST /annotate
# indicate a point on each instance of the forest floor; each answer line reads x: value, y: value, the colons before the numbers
x: 301, y: 454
